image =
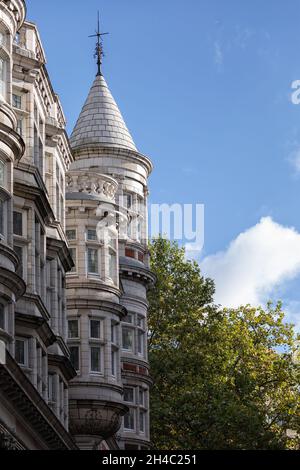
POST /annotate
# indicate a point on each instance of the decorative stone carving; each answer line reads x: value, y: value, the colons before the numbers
x: 95, y: 418
x: 92, y: 184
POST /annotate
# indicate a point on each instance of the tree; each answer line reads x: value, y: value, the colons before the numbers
x: 223, y: 378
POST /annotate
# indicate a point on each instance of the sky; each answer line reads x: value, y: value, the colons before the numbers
x: 205, y: 89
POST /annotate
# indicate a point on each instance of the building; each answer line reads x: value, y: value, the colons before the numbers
x: 74, y: 265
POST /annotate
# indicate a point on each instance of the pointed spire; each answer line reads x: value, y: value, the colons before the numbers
x: 99, y: 46
x: 100, y: 122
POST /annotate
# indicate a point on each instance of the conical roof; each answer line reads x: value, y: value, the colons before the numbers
x: 100, y: 121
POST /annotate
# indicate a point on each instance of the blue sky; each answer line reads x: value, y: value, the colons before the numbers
x: 205, y: 88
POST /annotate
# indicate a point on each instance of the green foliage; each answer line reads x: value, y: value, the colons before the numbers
x: 223, y: 378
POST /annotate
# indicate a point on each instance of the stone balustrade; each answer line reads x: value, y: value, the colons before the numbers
x: 93, y: 184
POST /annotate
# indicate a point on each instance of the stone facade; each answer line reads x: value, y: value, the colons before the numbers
x: 74, y: 264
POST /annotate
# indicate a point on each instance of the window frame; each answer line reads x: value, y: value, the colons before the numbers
x: 78, y: 328
x: 25, y: 341
x: 97, y: 347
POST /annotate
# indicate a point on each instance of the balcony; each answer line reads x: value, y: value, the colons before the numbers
x: 89, y: 185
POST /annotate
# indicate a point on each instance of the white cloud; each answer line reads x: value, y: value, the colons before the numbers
x: 255, y: 263
x: 218, y: 53
x: 294, y: 160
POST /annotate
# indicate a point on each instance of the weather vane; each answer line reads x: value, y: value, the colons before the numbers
x: 99, y: 46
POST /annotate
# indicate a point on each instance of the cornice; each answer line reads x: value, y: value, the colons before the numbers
x: 13, y: 141
x: 32, y: 407
x: 13, y: 282
x: 88, y: 151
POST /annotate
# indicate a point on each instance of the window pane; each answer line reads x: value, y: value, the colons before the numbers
x: 113, y: 362
x: 112, y: 265
x: 71, y: 234
x: 113, y: 332
x: 74, y: 356
x: 2, y: 317
x: 140, y: 342
x: 2, y: 166
x: 51, y: 389
x: 93, y: 261
x: 1, y: 218
x: 2, y: 39
x: 18, y: 223
x: 127, y: 200
x: 127, y: 337
x: 142, y: 421
x: 129, y: 419
x: 129, y: 394
x: 17, y: 101
x: 19, y: 251
x: 141, y: 397
x: 2, y: 77
x: 95, y: 360
x: 73, y: 329
x: 128, y: 318
x: 92, y: 235
x: 20, y: 351
x: 95, y: 329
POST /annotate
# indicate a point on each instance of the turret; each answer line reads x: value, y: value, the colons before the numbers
x: 116, y: 271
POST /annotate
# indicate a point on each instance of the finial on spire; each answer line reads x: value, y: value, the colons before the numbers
x: 99, y: 46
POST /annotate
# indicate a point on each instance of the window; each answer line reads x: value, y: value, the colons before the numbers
x: 140, y: 321
x: 73, y: 329
x: 113, y: 362
x: 141, y: 397
x: 129, y: 229
x: 2, y: 39
x: 1, y: 218
x: 95, y: 359
x: 128, y: 199
x: 21, y: 351
x: 19, y: 252
x: 3, y: 78
x: 141, y: 342
x: 91, y: 235
x: 2, y: 317
x: 95, y: 329
x: 129, y: 394
x: 139, y: 231
x: 142, y: 420
x: 71, y: 234
x: 74, y: 356
x: 17, y: 101
x: 128, y: 318
x: 112, y: 264
x: 18, y: 223
x: 51, y: 389
x: 127, y: 339
x: 2, y: 169
x: 129, y: 420
x: 113, y: 333
x: 93, y: 267
x: 74, y: 258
